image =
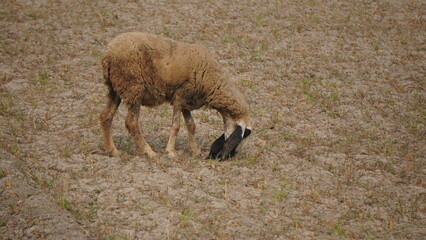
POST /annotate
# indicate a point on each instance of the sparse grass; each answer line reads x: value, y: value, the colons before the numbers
x: 166, y: 32
x: 126, y: 145
x: 348, y: 133
x: 118, y: 236
x: 66, y: 152
x: 9, y: 109
x: 33, y: 15
x: 276, y: 32
x: 96, y: 53
x: 279, y: 194
x: 65, y: 203
x: 14, y: 149
x: 249, y: 160
x: 91, y: 211
x: 338, y: 229
x: 186, y: 217
x: 2, y: 174
x: 259, y: 21
x: 44, y: 183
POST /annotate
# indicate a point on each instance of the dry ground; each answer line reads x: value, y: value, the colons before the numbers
x: 342, y: 83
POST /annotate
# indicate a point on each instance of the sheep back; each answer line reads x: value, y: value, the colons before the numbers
x: 146, y: 69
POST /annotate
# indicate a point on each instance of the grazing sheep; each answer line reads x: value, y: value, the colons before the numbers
x: 144, y: 69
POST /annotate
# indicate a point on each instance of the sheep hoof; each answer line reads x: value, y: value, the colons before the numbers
x: 151, y: 154
x: 171, y: 154
x: 113, y: 153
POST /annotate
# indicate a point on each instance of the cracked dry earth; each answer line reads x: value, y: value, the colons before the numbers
x: 338, y: 106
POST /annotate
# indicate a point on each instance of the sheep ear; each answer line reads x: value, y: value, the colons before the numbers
x: 216, y: 148
x: 231, y: 143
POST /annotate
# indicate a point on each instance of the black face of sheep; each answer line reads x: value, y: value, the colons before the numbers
x: 224, y: 149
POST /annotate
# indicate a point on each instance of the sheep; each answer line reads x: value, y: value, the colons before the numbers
x: 148, y: 70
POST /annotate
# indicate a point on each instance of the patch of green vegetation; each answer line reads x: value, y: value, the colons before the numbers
x: 166, y: 31
x: 14, y: 149
x: 376, y: 47
x: 97, y: 191
x: 42, y: 80
x: 306, y: 85
x: 276, y: 32
x: 314, y: 18
x: 335, y: 96
x: 186, y: 216
x: 279, y: 194
x: 275, y: 167
x: 231, y: 38
x: 2, y: 174
x: 6, y: 103
x: 91, y: 211
x: 126, y: 145
x: 66, y: 152
x: 118, y: 236
x: 65, y: 203
x: 33, y: 15
x: 44, y: 183
x: 339, y: 230
x: 249, y: 160
x: 247, y: 83
x: 96, y: 53
x: 9, y: 109
x: 104, y: 13
x: 259, y: 21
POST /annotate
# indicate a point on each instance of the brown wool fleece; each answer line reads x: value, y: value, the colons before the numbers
x: 145, y: 69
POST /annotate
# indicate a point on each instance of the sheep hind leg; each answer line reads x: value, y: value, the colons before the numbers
x: 106, y: 118
x: 170, y: 149
x: 132, y: 125
x: 190, y: 125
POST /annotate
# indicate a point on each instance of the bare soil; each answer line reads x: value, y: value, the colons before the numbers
x: 338, y: 106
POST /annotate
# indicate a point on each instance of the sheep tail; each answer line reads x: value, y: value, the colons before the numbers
x: 106, y: 71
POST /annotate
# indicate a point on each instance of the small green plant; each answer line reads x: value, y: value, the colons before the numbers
x: 337, y: 229
x: 97, y: 191
x: 66, y: 152
x: 96, y: 53
x: 2, y: 174
x: 249, y: 160
x: 186, y: 216
x: 275, y: 167
x: 260, y: 21
x: 166, y: 32
x: 6, y: 104
x: 314, y: 18
x: 104, y: 13
x: 306, y: 85
x: 118, y: 236
x: 65, y: 203
x: 335, y: 96
x: 44, y: 183
x: 91, y: 211
x: 33, y: 15
x: 276, y: 32
x: 279, y: 194
x: 43, y: 77
x: 376, y: 47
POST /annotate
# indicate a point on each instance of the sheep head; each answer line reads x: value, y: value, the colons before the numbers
x: 229, y: 143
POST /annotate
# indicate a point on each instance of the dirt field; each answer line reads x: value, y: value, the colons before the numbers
x: 338, y: 107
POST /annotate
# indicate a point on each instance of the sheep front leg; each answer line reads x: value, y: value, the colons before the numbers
x: 106, y: 118
x: 132, y: 125
x: 173, y: 132
x: 190, y: 125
